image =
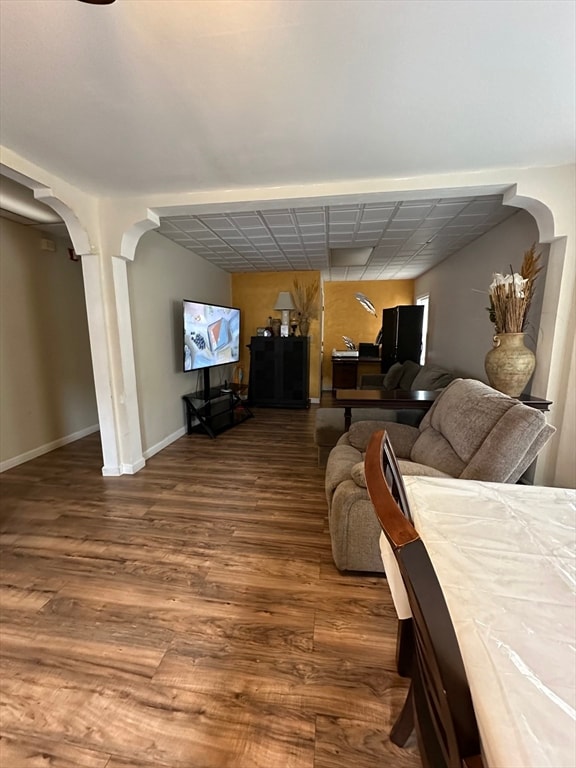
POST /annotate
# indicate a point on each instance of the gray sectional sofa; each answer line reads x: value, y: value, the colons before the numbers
x: 471, y: 432
x: 408, y: 376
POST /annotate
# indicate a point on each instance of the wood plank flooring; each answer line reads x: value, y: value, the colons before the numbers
x: 190, y: 616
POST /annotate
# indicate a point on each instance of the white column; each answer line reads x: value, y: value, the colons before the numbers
x: 95, y: 309
x: 129, y: 434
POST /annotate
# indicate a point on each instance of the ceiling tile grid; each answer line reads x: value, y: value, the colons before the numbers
x: 407, y: 237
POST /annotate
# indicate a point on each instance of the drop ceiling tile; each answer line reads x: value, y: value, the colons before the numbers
x: 207, y: 237
x: 335, y: 226
x: 402, y: 226
x: 412, y: 212
x: 246, y: 220
x: 191, y: 225
x: 438, y: 221
x: 377, y: 214
x: 219, y: 222
x: 445, y: 210
x: 479, y: 209
x: 310, y: 218
x: 180, y: 237
x: 344, y: 216
x: 308, y: 231
x: 366, y: 238
x: 250, y: 232
x: 380, y: 206
x: 278, y: 219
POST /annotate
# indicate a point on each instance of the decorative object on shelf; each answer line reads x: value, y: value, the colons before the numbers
x: 509, y: 364
x: 275, y: 324
x: 285, y: 303
x: 306, y: 304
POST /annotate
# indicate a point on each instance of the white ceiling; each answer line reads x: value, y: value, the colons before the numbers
x: 185, y: 96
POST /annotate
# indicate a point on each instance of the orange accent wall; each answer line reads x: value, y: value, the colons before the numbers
x: 255, y: 293
x: 345, y: 316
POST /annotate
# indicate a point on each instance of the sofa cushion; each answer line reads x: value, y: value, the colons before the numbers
x: 464, y: 415
x: 432, y: 448
x: 520, y: 427
x: 475, y: 432
x: 407, y: 467
x: 410, y: 370
x: 329, y: 425
x: 392, y: 378
x: 423, y: 470
x: 401, y: 436
x: 432, y: 377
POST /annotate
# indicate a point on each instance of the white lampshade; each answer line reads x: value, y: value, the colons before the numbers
x: 284, y: 301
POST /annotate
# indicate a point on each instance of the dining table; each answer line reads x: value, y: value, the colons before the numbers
x: 505, y: 557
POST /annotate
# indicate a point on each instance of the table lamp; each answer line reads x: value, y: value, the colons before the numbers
x: 285, y: 303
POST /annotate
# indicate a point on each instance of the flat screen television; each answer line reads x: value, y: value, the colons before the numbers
x: 211, y: 335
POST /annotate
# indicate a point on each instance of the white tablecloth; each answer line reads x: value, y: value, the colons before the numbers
x: 505, y: 556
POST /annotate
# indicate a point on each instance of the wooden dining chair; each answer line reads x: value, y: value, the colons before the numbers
x: 405, y: 632
x: 439, y: 704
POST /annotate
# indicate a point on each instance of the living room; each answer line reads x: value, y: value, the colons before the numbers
x: 286, y: 106
x: 106, y: 228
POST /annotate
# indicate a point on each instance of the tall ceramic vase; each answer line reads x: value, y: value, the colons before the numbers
x: 509, y: 364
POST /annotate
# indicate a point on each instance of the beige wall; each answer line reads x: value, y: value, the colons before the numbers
x: 160, y: 277
x: 46, y: 381
x: 345, y: 316
x: 256, y: 293
x: 459, y: 330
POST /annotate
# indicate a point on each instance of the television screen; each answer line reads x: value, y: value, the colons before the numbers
x: 211, y: 335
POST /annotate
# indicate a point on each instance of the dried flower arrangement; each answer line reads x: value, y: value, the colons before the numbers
x: 306, y: 299
x: 511, y: 295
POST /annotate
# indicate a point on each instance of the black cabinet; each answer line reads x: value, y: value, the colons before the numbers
x: 279, y: 371
x: 401, y: 334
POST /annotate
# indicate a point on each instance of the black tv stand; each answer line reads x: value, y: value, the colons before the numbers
x: 214, y: 409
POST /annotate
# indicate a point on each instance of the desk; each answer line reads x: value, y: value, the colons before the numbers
x: 346, y: 371
x: 391, y: 398
x: 505, y: 556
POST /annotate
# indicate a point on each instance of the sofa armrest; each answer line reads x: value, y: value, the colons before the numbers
x: 401, y: 436
x: 339, y: 466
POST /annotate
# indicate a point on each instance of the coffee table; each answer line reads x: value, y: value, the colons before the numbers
x: 385, y: 398
x: 396, y: 399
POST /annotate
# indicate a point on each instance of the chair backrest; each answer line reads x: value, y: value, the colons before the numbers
x: 393, y: 476
x: 444, y: 717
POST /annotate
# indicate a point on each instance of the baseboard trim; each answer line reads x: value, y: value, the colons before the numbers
x: 164, y: 443
x: 42, y: 449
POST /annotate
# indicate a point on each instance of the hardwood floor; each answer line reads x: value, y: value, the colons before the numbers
x: 190, y: 616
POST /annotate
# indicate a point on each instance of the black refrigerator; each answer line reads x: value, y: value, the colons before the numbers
x: 401, y: 334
